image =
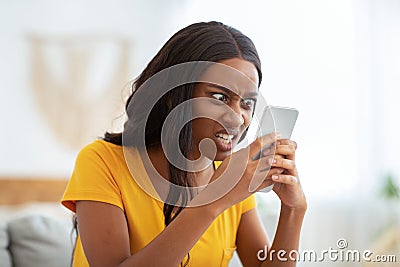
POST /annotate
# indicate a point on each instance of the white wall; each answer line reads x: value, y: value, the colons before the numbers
x: 28, y: 147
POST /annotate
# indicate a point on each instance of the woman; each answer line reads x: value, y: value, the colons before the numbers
x: 208, y: 210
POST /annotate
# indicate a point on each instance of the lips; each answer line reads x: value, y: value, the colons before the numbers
x: 224, y: 140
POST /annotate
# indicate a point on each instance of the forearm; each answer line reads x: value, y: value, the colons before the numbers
x: 171, y: 246
x: 286, y: 239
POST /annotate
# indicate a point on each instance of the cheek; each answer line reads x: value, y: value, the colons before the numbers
x: 201, y: 126
x: 247, y: 118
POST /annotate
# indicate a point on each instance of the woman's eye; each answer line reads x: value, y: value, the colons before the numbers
x: 249, y: 103
x: 220, y: 97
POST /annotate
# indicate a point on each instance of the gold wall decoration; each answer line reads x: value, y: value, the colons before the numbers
x: 75, y: 109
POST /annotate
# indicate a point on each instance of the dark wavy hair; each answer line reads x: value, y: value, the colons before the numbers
x: 204, y: 41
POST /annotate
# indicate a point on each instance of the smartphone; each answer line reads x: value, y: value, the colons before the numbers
x: 277, y: 119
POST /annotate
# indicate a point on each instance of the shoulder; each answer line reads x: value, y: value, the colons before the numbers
x: 101, y: 147
x: 248, y: 204
x: 100, y: 150
x: 96, y: 175
x: 98, y: 160
x: 244, y: 206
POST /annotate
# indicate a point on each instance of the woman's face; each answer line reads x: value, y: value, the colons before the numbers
x: 224, y: 111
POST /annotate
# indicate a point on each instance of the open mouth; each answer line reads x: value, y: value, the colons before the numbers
x: 225, y: 138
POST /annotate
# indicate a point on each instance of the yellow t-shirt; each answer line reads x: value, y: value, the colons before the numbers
x: 101, y: 174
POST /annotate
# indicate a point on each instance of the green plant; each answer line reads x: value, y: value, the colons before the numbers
x: 390, y: 189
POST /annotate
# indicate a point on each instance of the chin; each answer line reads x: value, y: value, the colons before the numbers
x: 221, y: 155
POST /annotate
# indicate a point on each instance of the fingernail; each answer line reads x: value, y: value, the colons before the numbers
x: 275, y: 177
x: 271, y: 160
x: 266, y: 152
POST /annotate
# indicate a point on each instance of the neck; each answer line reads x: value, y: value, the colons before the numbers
x: 161, y: 164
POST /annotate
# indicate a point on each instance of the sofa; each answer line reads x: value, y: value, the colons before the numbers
x: 36, y: 240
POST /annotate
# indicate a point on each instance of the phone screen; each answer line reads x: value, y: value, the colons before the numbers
x: 277, y: 119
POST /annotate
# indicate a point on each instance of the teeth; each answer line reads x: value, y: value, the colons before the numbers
x: 225, y: 138
x: 225, y: 141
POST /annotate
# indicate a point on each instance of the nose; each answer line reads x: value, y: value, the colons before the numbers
x: 233, y: 117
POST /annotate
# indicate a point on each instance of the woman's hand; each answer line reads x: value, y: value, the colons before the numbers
x: 287, y: 184
x: 240, y: 175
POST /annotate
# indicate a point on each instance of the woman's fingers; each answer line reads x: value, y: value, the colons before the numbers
x: 261, y: 143
x: 283, y: 147
x: 287, y: 164
x: 282, y: 163
x: 286, y: 147
x: 275, y: 171
x: 279, y: 178
x: 285, y: 179
x: 265, y: 163
x: 262, y: 172
x: 287, y: 142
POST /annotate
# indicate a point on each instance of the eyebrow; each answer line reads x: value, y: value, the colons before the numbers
x: 229, y: 91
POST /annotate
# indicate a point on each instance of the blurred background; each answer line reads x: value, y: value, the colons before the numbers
x: 66, y: 68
